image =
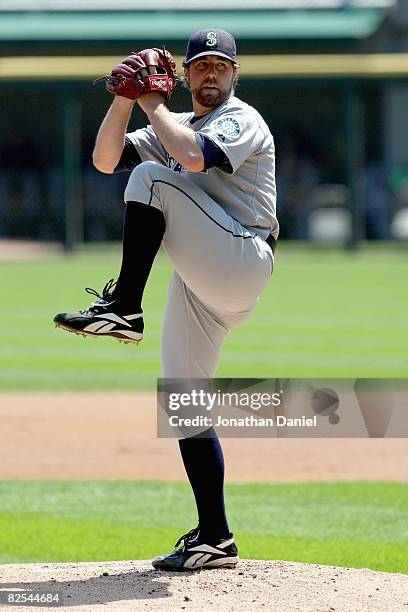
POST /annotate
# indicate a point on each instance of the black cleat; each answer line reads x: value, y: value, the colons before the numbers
x: 103, y: 318
x: 196, y: 554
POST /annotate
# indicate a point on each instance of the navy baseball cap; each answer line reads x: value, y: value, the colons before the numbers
x: 211, y: 42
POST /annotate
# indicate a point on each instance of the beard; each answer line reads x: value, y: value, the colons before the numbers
x: 211, y: 98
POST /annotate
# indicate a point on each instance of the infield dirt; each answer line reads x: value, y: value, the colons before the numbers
x: 275, y: 586
x: 91, y: 435
x: 113, y: 435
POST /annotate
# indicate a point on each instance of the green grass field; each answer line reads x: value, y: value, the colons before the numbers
x: 326, y: 313
x: 356, y: 525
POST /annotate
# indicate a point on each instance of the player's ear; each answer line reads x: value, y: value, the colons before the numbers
x: 235, y: 77
x: 186, y: 75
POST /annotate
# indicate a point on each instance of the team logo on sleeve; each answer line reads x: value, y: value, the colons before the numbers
x: 227, y: 127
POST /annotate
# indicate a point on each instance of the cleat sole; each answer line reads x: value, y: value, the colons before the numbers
x: 192, y: 569
x: 72, y: 330
x: 170, y: 568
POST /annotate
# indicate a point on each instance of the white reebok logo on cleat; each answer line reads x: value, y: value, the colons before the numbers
x: 207, y: 548
x: 108, y: 323
x: 111, y: 316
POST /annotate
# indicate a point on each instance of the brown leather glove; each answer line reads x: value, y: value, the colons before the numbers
x: 150, y: 70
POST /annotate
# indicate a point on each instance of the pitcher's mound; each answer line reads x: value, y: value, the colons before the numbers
x: 253, y: 585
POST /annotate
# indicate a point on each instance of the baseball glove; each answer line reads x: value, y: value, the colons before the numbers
x: 150, y: 70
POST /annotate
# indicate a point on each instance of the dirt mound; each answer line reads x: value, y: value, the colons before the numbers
x: 253, y: 585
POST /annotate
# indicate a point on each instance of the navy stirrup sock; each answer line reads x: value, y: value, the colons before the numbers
x: 143, y: 231
x: 204, y: 463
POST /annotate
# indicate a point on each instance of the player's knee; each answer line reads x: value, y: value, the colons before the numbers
x: 141, y: 180
x: 145, y: 169
x: 138, y: 182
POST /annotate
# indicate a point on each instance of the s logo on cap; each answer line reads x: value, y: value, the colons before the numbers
x: 211, y: 39
x: 210, y: 42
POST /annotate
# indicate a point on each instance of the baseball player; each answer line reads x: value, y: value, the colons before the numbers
x: 202, y: 184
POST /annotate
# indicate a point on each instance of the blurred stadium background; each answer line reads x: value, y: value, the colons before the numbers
x: 331, y: 79
x: 329, y: 76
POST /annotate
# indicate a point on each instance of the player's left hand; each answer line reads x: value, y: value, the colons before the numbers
x: 147, y: 71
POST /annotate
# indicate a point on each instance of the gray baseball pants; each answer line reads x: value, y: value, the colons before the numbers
x: 221, y: 269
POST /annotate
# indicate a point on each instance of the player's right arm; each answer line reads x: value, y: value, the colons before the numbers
x: 111, y: 135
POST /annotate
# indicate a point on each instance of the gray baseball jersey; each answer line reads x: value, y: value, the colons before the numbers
x: 246, y: 189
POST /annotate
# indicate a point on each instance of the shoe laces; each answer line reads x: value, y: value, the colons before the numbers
x: 106, y: 299
x: 187, y: 537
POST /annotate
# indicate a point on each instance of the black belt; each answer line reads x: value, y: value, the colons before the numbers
x: 272, y: 242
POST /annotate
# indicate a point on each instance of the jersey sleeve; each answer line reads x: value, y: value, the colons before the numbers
x: 129, y: 159
x: 237, y: 133
x: 213, y: 155
x: 147, y: 145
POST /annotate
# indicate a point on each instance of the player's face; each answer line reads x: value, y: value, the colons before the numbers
x: 210, y: 79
